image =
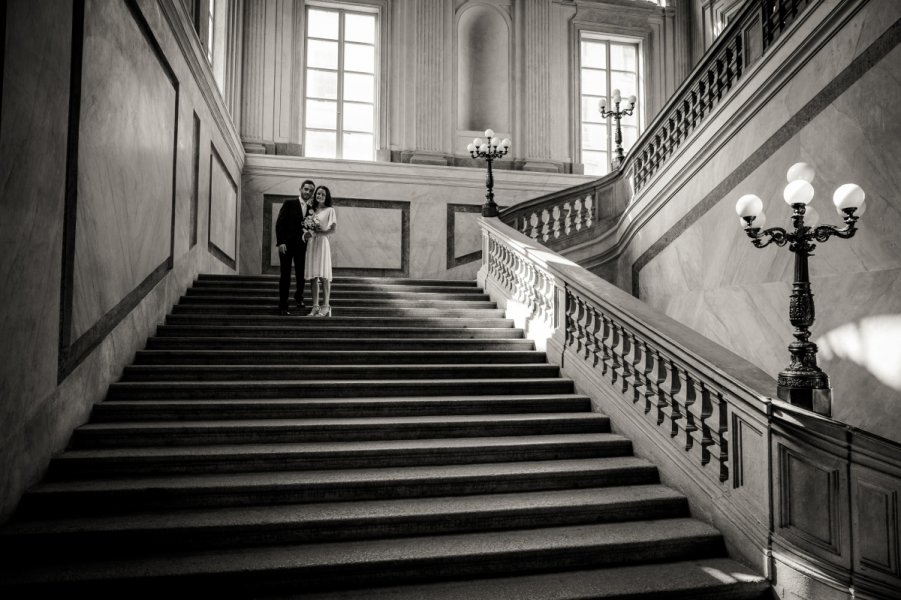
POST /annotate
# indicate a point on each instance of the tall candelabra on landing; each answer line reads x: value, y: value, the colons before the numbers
x: 803, y: 383
x: 617, y: 113
x: 490, y: 151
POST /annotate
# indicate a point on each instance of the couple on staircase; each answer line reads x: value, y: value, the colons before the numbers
x: 302, y: 230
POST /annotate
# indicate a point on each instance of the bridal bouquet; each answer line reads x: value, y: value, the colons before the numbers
x: 310, y: 226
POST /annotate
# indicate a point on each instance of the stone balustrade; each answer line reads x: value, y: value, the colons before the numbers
x: 801, y: 497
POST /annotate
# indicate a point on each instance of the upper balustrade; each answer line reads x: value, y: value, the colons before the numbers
x: 571, y: 216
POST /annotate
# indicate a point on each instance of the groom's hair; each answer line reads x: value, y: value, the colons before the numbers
x: 308, y: 181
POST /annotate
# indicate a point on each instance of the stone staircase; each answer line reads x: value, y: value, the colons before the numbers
x: 414, y: 445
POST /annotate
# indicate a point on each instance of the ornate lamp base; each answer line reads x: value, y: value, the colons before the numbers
x: 809, y: 390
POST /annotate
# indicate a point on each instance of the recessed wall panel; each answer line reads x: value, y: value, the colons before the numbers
x: 223, y: 210
x: 126, y: 153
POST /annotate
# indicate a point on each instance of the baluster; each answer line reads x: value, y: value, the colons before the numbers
x: 688, y: 385
x: 567, y: 218
x: 664, y: 389
x: 568, y: 302
x: 727, y: 83
x: 739, y: 57
x: 555, y: 222
x: 639, y: 364
x: 721, y: 414
x: 589, y: 207
x: 614, y: 343
x: 589, y: 331
x: 545, y: 232
x: 577, y: 214
x: 533, y: 220
x: 605, y: 344
x: 656, y: 377
x: 627, y: 365
x: 597, y: 326
x: 674, y: 391
x: 579, y: 327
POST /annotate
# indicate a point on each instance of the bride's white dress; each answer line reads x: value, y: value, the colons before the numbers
x: 318, y: 259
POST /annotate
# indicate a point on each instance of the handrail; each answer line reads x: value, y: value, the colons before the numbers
x: 790, y: 490
x: 567, y: 213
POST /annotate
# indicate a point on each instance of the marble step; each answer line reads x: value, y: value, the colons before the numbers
x: 272, y: 286
x: 335, y: 565
x: 145, y: 434
x: 142, y: 533
x: 336, y: 357
x: 298, y: 320
x: 270, y: 308
x: 339, y: 293
x: 320, y: 343
x: 349, y: 372
x: 212, y: 390
x: 245, y: 458
x: 323, y: 328
x: 703, y: 579
x: 50, y: 499
x: 205, y: 277
x: 338, y: 302
x: 186, y: 410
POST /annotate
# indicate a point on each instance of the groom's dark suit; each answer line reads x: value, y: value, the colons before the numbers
x: 289, y: 231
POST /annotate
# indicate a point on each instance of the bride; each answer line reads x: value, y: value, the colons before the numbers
x: 318, y: 260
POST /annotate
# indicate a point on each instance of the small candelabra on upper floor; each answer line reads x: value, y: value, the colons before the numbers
x: 617, y: 113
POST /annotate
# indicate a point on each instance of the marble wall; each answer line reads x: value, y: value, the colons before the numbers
x: 682, y: 250
x: 96, y: 204
x: 393, y: 219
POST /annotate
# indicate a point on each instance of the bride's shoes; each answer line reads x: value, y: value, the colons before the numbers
x: 315, y: 312
x: 326, y: 311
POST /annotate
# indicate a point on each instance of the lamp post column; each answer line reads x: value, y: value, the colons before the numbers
x: 490, y: 151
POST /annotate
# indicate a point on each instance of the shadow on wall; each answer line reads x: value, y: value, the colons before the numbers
x: 873, y: 343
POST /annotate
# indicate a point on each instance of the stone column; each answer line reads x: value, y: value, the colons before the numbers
x: 431, y: 96
x: 536, y: 102
x: 271, y: 89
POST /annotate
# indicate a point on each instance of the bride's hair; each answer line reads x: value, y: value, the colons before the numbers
x: 328, y: 197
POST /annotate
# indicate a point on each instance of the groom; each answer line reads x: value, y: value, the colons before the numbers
x: 291, y: 246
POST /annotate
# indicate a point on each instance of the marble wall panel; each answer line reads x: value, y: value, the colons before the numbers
x: 372, y: 238
x: 712, y: 278
x: 126, y: 154
x: 368, y: 238
x: 223, y: 207
x: 467, y: 234
x: 425, y: 191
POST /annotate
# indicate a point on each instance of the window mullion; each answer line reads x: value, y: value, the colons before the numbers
x: 339, y: 132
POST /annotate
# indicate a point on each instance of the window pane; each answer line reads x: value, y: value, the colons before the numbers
x: 359, y: 28
x: 359, y: 87
x: 590, y: 109
x: 624, y: 58
x: 625, y: 82
x: 322, y: 84
x: 321, y: 114
x: 358, y: 146
x: 594, y: 82
x: 320, y: 144
x: 359, y: 58
x: 594, y: 137
x: 631, y: 120
x: 322, y: 54
x: 594, y: 55
x: 358, y: 117
x: 322, y: 24
x: 630, y: 135
x: 596, y: 163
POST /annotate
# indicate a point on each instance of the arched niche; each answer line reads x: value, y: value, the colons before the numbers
x: 483, y: 69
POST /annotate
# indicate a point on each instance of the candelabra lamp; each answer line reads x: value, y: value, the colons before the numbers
x: 803, y: 383
x: 617, y: 113
x: 491, y: 150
